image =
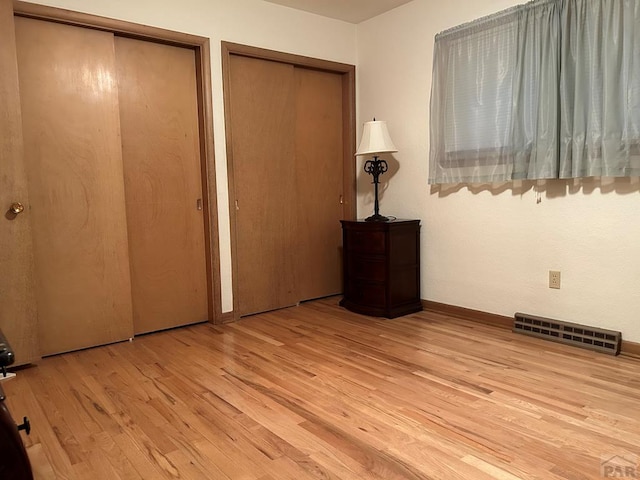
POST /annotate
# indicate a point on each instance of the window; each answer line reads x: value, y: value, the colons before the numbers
x: 549, y: 89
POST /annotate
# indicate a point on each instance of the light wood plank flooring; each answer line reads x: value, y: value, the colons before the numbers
x: 317, y: 392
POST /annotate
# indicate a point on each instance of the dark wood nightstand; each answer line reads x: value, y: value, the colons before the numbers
x: 381, y: 267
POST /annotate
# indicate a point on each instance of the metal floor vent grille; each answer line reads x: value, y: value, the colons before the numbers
x: 593, y: 338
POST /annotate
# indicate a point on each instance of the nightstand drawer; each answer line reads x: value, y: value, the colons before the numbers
x: 366, y: 242
x: 364, y: 293
x: 366, y: 268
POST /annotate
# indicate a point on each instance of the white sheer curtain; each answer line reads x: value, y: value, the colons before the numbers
x: 600, y: 88
x: 534, y: 130
x: 549, y: 89
x: 472, y: 90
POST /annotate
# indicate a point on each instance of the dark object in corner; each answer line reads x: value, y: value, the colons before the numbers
x: 14, y: 462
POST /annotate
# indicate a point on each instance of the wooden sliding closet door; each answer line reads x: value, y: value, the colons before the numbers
x: 161, y: 153
x: 318, y: 163
x: 262, y: 101
x: 18, y: 315
x: 287, y: 133
x: 73, y: 158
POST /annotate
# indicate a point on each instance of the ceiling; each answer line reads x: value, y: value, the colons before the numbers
x: 352, y: 11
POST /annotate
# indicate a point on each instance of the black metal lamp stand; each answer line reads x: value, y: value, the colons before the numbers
x: 376, y: 167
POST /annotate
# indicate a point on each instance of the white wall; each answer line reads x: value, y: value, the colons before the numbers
x: 250, y: 22
x: 490, y: 248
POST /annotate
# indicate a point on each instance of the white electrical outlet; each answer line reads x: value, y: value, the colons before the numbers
x: 554, y: 279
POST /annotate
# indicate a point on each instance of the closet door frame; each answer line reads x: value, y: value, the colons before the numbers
x: 200, y: 46
x: 348, y: 74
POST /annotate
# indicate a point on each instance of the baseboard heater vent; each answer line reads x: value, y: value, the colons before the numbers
x: 593, y: 338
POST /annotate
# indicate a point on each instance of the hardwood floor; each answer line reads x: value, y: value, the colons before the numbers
x: 317, y: 392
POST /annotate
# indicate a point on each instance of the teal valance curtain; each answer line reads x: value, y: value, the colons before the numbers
x: 549, y: 89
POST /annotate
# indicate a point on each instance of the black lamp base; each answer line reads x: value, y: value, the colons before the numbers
x: 376, y: 167
x: 376, y: 218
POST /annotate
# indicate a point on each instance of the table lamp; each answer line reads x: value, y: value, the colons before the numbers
x: 375, y: 140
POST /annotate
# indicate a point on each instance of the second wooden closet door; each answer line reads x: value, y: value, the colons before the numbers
x: 163, y: 186
x: 318, y: 163
x: 263, y: 120
x: 287, y: 140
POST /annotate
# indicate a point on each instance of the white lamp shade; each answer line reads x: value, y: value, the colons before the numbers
x: 375, y: 139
